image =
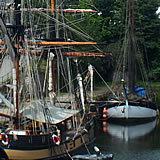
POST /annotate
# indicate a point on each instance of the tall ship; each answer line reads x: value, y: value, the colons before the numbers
x: 38, y: 49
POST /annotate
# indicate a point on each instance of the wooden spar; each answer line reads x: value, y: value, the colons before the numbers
x: 80, y: 54
x: 85, y: 54
x: 129, y: 12
x: 131, y: 49
x: 17, y: 32
x: 52, y: 6
x: 133, y: 15
x: 56, y: 43
x: 17, y: 84
x: 22, y: 51
x: 7, y: 116
x: 90, y: 68
x: 53, y: 75
x: 33, y: 52
x: 79, y: 11
x: 59, y: 10
x: 61, y: 43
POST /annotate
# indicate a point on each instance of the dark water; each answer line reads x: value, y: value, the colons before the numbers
x: 133, y: 142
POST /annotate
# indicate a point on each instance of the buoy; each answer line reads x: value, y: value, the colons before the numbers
x: 105, y: 111
x: 97, y: 150
x: 28, y: 100
x: 0, y: 137
x: 56, y: 139
x: 104, y: 116
x: 5, y: 140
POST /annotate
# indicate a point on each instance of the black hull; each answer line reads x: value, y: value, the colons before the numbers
x: 42, y: 146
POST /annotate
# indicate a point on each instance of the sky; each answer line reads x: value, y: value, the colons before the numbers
x: 158, y: 11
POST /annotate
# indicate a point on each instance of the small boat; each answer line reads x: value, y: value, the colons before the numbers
x: 93, y: 157
x: 97, y: 156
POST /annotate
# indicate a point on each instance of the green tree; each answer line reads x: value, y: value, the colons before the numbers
x: 147, y: 29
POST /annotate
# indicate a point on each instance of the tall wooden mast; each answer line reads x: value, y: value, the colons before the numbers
x: 13, y: 51
x: 17, y: 31
x: 131, y: 49
x: 52, y: 6
x: 52, y: 62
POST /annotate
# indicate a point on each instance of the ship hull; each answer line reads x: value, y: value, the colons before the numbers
x: 42, y: 146
x: 131, y: 112
x: 59, y: 151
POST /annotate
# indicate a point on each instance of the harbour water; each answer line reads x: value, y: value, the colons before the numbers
x: 129, y: 142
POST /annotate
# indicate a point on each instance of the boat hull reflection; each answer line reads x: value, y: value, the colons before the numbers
x: 126, y: 132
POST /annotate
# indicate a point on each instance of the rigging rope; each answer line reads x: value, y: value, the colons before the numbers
x: 106, y: 84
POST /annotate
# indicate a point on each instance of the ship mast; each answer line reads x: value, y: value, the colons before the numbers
x: 17, y: 32
x: 131, y: 49
x: 52, y: 6
x: 15, y: 29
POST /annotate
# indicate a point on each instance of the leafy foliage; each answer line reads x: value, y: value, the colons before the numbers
x: 111, y: 28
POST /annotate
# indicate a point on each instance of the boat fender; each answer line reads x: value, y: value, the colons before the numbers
x: 1, y: 136
x: 85, y: 130
x: 5, y: 142
x: 56, y: 139
x: 105, y: 111
x: 97, y: 150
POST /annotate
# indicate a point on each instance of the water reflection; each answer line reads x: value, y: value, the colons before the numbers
x: 126, y: 132
x: 129, y: 142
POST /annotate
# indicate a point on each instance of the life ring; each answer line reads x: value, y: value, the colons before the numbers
x: 56, y: 139
x: 5, y: 142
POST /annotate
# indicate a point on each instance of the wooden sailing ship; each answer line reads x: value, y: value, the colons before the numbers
x: 35, y: 126
x: 130, y: 101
